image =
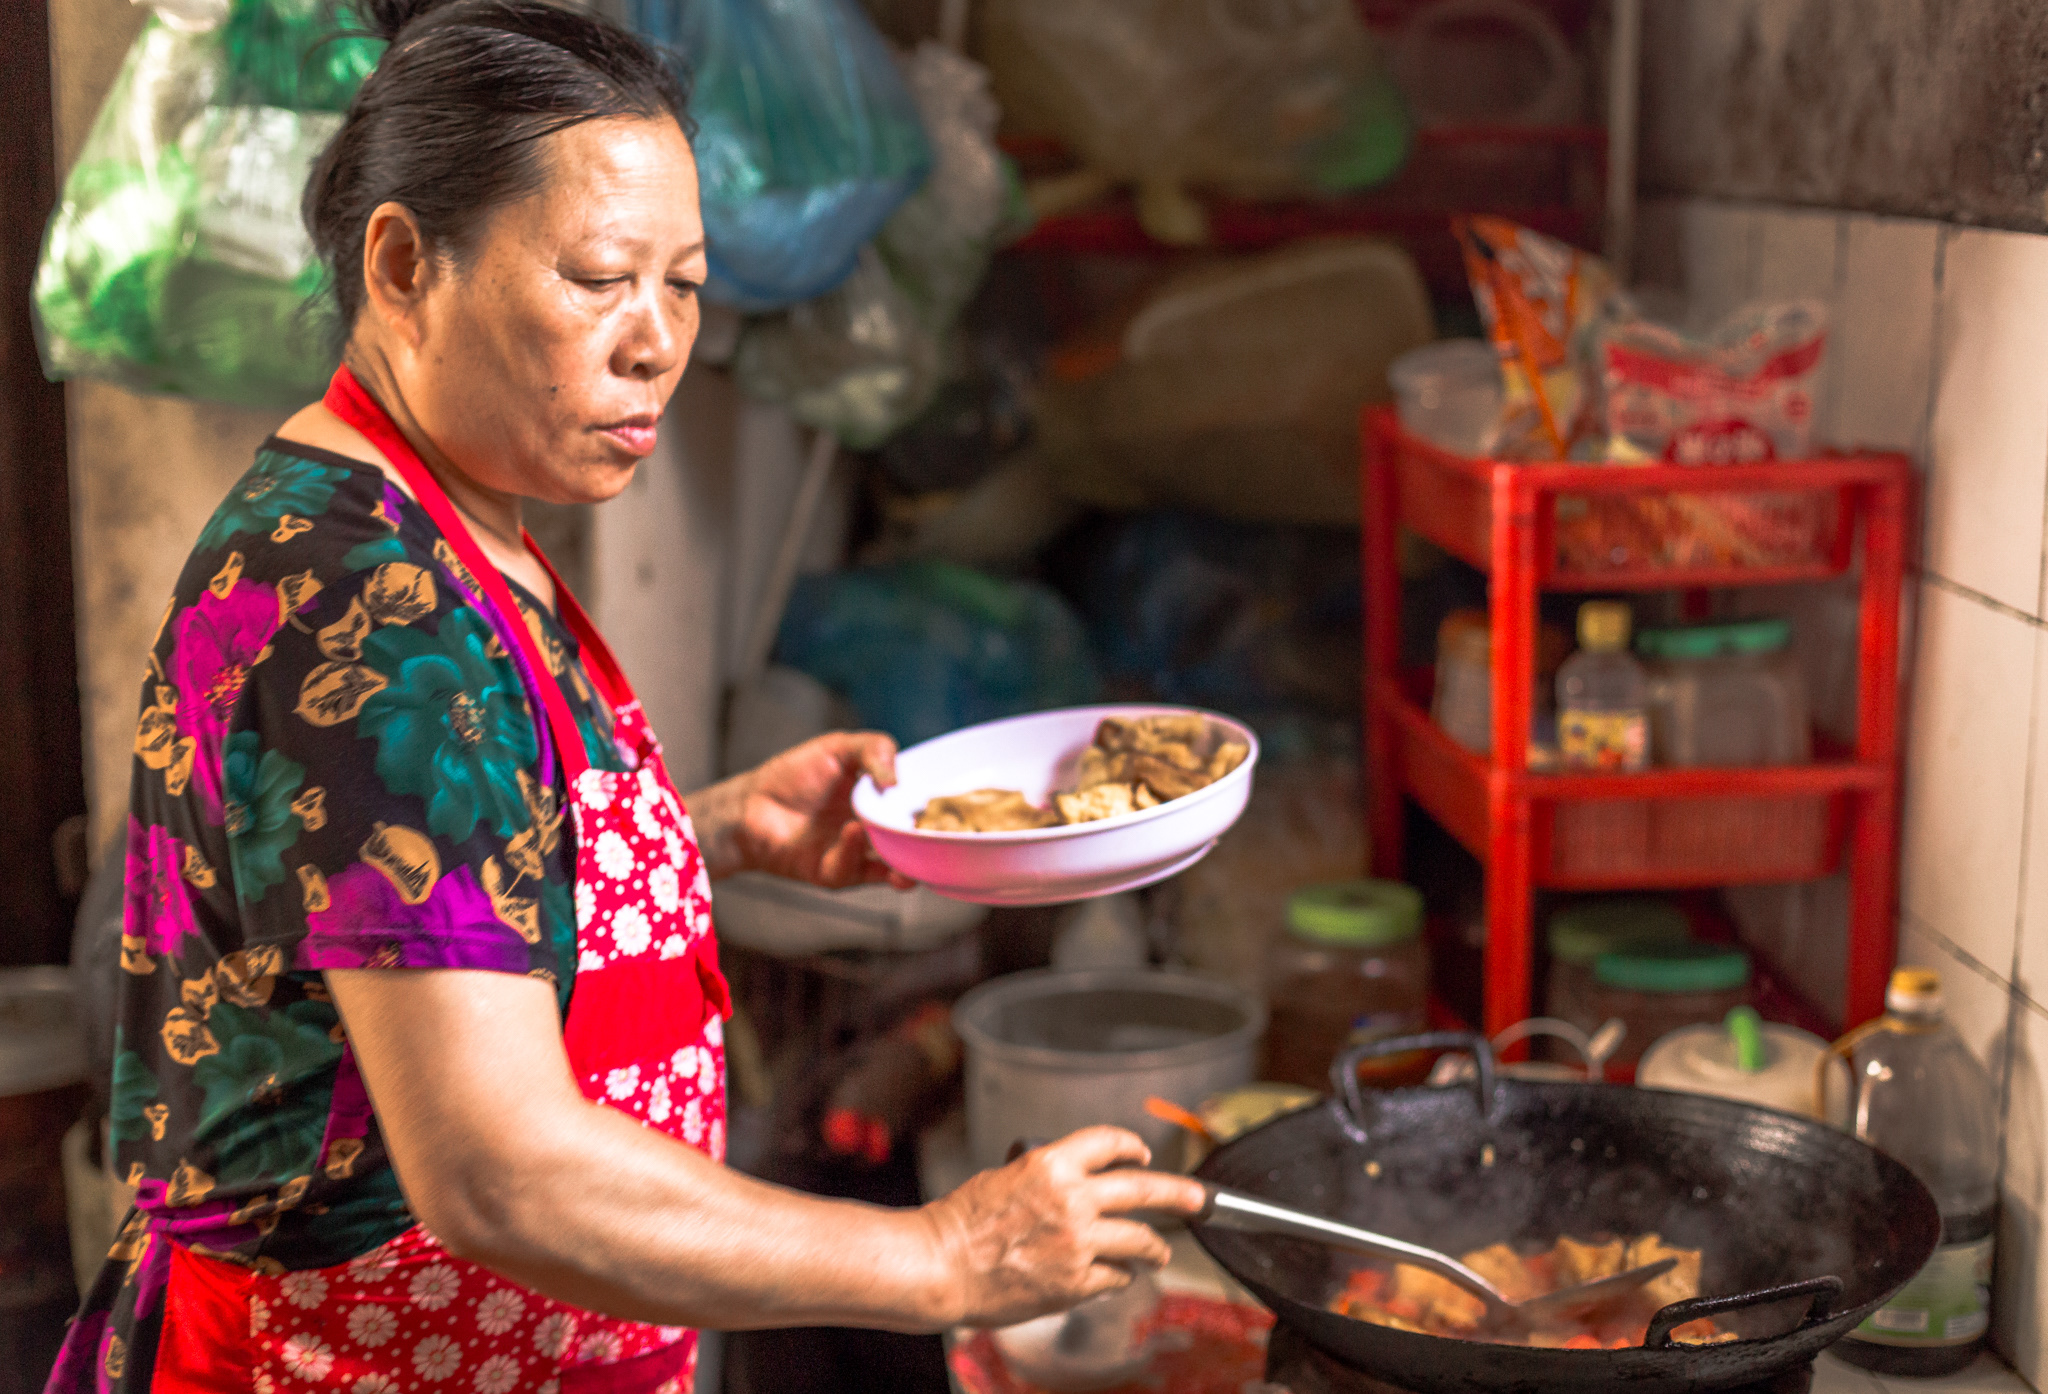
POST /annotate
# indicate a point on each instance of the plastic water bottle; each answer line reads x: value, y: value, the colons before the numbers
x: 1917, y: 1092
x: 1603, y: 695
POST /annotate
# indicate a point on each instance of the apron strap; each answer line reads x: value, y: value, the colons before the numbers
x: 349, y: 400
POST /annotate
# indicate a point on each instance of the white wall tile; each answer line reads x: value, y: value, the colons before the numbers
x: 1720, y: 248
x: 1989, y: 469
x: 2031, y: 970
x: 1795, y: 254
x: 1882, y: 343
x: 1966, y: 775
x: 2020, y: 1293
x: 1980, y: 1004
x: 1660, y: 247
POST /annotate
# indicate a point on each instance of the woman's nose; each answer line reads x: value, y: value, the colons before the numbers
x: 657, y: 336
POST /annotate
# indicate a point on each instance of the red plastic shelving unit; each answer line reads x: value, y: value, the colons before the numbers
x: 1581, y: 830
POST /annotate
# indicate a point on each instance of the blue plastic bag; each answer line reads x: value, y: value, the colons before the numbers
x: 807, y: 138
x: 928, y: 647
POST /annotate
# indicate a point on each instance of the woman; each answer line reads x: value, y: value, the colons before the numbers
x: 419, y: 1072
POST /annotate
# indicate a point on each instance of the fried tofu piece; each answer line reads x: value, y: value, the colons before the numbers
x: 1093, y: 805
x: 1180, y: 740
x: 1099, y: 766
x: 1167, y: 781
x: 1504, y: 1268
x: 1228, y: 757
x: 985, y: 811
x: 1442, y: 1302
x: 1681, y: 1284
x: 1586, y: 1263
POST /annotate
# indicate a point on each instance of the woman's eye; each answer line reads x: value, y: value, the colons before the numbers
x: 604, y: 282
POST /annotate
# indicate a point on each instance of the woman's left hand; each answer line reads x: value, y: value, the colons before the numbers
x: 793, y: 816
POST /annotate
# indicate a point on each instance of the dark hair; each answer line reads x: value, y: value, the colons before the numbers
x: 449, y: 122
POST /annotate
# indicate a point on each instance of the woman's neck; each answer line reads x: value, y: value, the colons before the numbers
x: 493, y: 516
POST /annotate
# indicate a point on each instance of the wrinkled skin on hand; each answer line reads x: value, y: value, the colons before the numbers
x: 1045, y: 1232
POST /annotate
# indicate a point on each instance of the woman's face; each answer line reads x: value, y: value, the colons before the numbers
x: 542, y: 358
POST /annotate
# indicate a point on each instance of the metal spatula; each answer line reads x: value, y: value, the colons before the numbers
x: 1227, y: 1209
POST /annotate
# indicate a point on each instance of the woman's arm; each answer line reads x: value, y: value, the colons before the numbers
x: 503, y: 1160
x: 794, y: 815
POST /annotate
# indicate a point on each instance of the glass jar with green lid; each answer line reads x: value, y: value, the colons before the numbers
x: 1352, y: 966
x: 1656, y: 990
x: 1578, y: 934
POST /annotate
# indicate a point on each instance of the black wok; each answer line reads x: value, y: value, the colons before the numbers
x: 1803, y: 1229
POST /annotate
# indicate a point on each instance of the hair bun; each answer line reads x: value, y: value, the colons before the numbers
x: 386, y: 18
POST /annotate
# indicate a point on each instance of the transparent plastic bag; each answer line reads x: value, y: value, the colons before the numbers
x: 175, y: 260
x: 866, y: 358
x: 1260, y: 97
x: 807, y: 138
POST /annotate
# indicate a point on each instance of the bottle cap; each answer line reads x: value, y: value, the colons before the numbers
x: 1603, y: 625
x: 1714, y: 640
x: 1690, y: 967
x: 1579, y: 934
x: 1914, y: 992
x: 1356, y: 914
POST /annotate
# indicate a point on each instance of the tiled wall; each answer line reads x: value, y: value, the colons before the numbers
x: 1940, y: 348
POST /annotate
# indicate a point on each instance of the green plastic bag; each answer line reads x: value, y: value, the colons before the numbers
x: 175, y: 260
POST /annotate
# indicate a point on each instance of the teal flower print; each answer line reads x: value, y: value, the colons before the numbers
x: 260, y: 1111
x: 135, y: 1089
x: 276, y: 486
x: 452, y: 724
x: 258, y: 787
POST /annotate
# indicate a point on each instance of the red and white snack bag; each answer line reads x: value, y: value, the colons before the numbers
x: 1743, y: 394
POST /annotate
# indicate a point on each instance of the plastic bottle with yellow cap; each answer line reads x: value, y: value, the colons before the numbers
x: 1603, y: 702
x: 1915, y: 1090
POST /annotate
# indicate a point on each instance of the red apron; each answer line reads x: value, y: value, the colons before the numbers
x: 644, y: 1036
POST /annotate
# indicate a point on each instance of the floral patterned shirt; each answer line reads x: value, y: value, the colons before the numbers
x: 336, y: 767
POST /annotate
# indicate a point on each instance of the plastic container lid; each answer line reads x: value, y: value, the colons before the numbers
x: 1447, y: 363
x: 40, y: 1045
x: 1603, y: 625
x: 1691, y: 967
x: 1714, y: 640
x: 1356, y: 914
x: 1745, y: 1058
x: 1580, y: 934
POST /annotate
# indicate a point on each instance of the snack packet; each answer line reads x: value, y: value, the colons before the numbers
x: 1545, y: 304
x: 1742, y: 394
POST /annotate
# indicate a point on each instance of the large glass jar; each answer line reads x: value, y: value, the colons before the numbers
x: 1579, y: 934
x: 1726, y: 694
x: 1351, y: 967
x: 1658, y: 990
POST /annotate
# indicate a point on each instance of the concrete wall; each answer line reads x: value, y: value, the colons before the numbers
x: 1930, y: 108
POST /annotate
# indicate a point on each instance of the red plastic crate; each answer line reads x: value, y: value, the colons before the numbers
x: 1525, y: 525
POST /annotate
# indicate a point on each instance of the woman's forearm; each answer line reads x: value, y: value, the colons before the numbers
x: 603, y: 1213
x: 503, y: 1159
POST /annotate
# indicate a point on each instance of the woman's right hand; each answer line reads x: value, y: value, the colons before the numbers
x: 1045, y: 1232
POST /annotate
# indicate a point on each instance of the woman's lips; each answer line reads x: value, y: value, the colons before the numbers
x: 635, y: 434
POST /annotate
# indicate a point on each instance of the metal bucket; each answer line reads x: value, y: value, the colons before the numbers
x: 1049, y: 1051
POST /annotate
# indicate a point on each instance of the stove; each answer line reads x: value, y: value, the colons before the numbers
x: 1297, y: 1366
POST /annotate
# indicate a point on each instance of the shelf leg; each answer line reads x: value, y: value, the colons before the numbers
x: 1509, y: 908
x: 1873, y: 921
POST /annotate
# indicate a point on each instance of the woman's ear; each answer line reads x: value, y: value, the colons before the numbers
x: 398, y: 270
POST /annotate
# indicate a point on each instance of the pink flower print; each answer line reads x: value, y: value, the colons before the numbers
x: 658, y: 1106
x: 308, y: 1357
x: 599, y: 1346
x: 496, y: 1375
x: 614, y: 857
x: 305, y: 1288
x: 630, y: 930
x: 434, y: 1288
x: 370, y: 1325
x: 158, y: 903
x: 554, y: 1333
x: 500, y: 1312
x: 662, y: 886
x: 219, y: 640
x: 436, y: 1357
x: 259, y: 1315
x: 373, y: 1384
x: 622, y: 1083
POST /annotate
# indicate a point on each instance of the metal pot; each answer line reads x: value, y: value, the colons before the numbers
x: 1049, y: 1051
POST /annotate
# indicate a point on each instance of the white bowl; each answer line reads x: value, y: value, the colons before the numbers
x: 1035, y: 755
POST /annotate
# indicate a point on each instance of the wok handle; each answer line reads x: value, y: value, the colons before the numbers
x: 1823, y: 1291
x: 1344, y: 1069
